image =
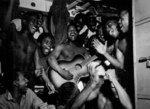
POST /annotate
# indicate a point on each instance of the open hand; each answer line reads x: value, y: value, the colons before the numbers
x: 17, y: 23
x: 100, y: 47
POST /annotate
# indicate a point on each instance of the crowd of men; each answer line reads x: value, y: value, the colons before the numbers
x: 83, y: 63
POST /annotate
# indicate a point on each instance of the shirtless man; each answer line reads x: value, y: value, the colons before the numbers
x: 19, y: 44
x: 120, y: 43
x: 113, y: 33
x: 67, y: 52
x: 124, y: 27
x: 41, y: 59
x: 123, y: 45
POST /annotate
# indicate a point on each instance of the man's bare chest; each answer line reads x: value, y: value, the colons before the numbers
x: 68, y: 53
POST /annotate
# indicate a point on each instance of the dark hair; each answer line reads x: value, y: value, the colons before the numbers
x: 10, y: 77
x: 110, y: 40
x: 35, y: 14
x: 45, y: 35
x: 90, y: 16
x: 67, y: 92
x: 72, y: 23
x: 114, y: 19
x: 80, y: 18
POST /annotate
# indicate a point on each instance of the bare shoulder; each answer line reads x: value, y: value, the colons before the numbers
x: 59, y: 47
x: 57, y: 50
x: 122, y: 45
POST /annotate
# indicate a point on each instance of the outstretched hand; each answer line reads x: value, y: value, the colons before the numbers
x: 111, y: 74
x: 100, y: 47
x: 94, y: 77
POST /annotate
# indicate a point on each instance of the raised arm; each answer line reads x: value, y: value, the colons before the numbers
x: 117, y: 61
x: 9, y: 13
x: 92, y: 86
x: 122, y: 94
x: 82, y: 97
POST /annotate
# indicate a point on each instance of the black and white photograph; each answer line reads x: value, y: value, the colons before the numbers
x: 74, y: 54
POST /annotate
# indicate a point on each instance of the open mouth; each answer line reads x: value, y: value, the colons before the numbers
x: 72, y: 36
x: 121, y: 26
x: 112, y: 31
x: 46, y: 49
x: 34, y: 28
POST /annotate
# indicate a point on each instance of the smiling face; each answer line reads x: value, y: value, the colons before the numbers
x: 72, y: 33
x: 32, y: 26
x: 124, y: 21
x: 111, y: 28
x: 46, y: 45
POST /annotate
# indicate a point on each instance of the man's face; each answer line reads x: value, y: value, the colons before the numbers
x: 32, y: 26
x: 124, y: 21
x: 111, y: 29
x: 100, y: 31
x: 92, y: 24
x: 46, y: 45
x: 79, y: 24
x: 72, y: 33
x: 22, y: 83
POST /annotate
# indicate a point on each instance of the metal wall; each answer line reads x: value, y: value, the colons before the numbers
x: 142, y: 49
